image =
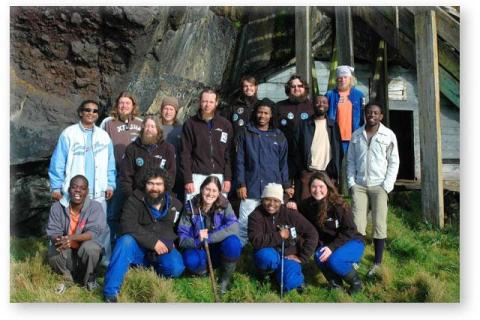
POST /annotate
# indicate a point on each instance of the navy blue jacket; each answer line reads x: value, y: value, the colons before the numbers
x: 356, y: 97
x: 261, y: 159
x: 303, y: 146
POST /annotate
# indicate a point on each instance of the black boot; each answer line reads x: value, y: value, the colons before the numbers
x: 354, y: 281
x: 264, y: 276
x: 333, y: 279
x: 227, y: 272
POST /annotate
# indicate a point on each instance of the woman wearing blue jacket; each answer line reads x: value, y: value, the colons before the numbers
x: 209, y: 216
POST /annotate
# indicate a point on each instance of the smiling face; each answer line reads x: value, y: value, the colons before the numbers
x: 168, y: 114
x: 318, y: 189
x: 271, y: 205
x: 210, y: 193
x: 321, y: 106
x: 124, y: 107
x: 297, y: 89
x: 373, y: 116
x: 89, y: 115
x: 78, y: 191
x: 249, y: 89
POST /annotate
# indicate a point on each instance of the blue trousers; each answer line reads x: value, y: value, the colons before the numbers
x: 228, y: 250
x: 269, y: 259
x: 341, y: 260
x: 127, y: 251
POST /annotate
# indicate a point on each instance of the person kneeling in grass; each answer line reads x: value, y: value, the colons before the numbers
x: 147, y: 234
x: 76, y: 234
x: 340, y: 245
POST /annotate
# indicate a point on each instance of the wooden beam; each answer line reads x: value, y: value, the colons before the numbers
x: 385, y: 29
x: 448, y: 28
x: 379, y: 87
x: 429, y: 114
x: 448, y: 59
x: 344, y: 35
x: 303, y: 43
x: 332, y: 79
x: 450, y: 87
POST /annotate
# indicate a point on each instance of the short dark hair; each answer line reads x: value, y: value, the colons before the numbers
x: 265, y: 102
x: 79, y: 177
x: 156, y: 173
x: 84, y: 103
x: 288, y: 85
x: 371, y: 104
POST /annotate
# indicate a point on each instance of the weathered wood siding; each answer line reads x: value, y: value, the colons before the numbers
x: 450, y: 115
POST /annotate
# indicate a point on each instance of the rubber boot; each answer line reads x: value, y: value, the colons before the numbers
x: 354, y: 281
x: 333, y: 279
x: 227, y: 272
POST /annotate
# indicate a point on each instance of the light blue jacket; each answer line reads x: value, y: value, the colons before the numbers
x: 375, y: 164
x: 68, y: 160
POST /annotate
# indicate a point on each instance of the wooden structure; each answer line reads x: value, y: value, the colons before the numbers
x: 428, y: 39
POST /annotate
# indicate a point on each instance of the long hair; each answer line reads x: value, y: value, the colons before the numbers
x: 333, y: 198
x: 288, y: 85
x: 157, y: 124
x: 216, y: 205
x: 125, y: 94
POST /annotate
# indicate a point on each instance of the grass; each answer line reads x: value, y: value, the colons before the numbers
x: 421, y: 264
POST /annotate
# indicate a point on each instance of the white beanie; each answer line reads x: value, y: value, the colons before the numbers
x: 344, y: 71
x: 273, y: 190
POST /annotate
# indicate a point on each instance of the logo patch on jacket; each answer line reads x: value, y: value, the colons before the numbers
x: 139, y: 162
x: 304, y: 115
x: 224, y: 137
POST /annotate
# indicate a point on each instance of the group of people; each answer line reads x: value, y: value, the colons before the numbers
x: 160, y: 193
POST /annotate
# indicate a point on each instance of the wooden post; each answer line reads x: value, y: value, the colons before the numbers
x: 344, y: 35
x: 379, y: 88
x: 429, y: 114
x: 303, y: 43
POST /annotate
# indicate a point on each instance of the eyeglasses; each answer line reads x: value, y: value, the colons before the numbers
x: 89, y: 110
x: 293, y: 86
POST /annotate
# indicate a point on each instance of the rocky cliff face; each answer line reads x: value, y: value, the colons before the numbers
x: 63, y: 55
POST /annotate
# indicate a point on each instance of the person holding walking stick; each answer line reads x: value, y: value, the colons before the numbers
x: 209, y: 218
x: 272, y: 224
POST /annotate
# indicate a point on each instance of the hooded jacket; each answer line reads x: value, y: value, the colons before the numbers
x: 137, y: 221
x: 92, y: 220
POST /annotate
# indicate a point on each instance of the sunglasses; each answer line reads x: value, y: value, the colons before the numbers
x: 89, y: 110
x: 296, y: 86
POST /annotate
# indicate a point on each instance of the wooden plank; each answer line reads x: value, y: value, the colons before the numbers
x: 332, y: 79
x: 344, y: 35
x: 429, y: 116
x: 379, y: 87
x: 448, y: 28
x: 386, y: 30
x: 448, y: 59
x: 450, y: 87
x: 303, y: 43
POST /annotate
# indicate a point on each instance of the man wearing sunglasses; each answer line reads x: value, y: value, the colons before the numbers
x: 84, y: 149
x: 291, y: 111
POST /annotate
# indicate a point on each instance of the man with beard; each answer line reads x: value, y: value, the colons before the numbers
x: 75, y: 232
x: 147, y: 234
x: 372, y: 168
x: 123, y: 126
x: 346, y: 104
x: 147, y: 152
x: 241, y: 109
x: 206, y: 143
x: 261, y: 158
x: 291, y: 111
x: 317, y: 146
